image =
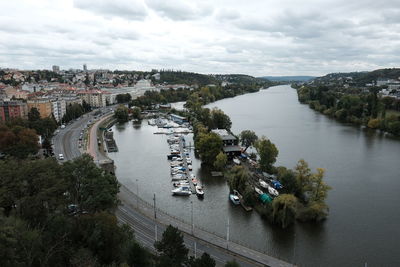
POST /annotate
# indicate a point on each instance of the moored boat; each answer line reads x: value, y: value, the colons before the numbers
x: 235, y: 199
x: 263, y: 183
x: 258, y: 190
x: 182, y: 191
x: 272, y: 191
x: 199, y: 191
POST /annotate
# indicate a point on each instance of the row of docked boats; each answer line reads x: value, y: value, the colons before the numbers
x: 181, y: 164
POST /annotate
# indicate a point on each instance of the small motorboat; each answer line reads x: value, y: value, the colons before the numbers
x: 190, y: 167
x: 199, y: 191
x: 263, y: 183
x: 272, y: 191
x: 276, y: 184
x: 182, y: 191
x: 181, y: 183
x: 194, y: 181
x: 234, y: 198
x: 258, y: 190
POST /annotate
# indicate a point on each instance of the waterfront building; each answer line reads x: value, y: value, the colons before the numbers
x: 230, y: 143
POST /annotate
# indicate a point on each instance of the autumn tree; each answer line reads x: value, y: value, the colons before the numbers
x: 284, y: 209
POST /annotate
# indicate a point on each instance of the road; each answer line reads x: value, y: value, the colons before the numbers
x: 138, y: 214
x: 66, y: 141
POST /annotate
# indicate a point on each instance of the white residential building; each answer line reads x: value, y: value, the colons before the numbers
x: 59, y: 109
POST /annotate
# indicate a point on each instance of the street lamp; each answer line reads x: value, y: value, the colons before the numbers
x: 191, y: 203
x: 137, y: 193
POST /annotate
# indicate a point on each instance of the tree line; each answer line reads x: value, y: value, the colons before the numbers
x: 354, y: 106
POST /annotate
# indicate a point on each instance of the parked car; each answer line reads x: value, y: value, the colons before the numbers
x: 60, y: 156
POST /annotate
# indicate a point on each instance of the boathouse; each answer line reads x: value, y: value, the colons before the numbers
x: 230, y: 143
x: 178, y: 119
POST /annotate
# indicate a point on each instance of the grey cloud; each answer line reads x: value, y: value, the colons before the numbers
x: 128, y: 9
x: 227, y: 14
x: 179, y: 9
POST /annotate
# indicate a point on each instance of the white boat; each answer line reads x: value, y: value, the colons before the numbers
x: 258, y: 190
x: 199, y: 191
x: 235, y: 199
x: 182, y: 191
x: 180, y: 183
x: 272, y: 191
x: 263, y: 183
x: 190, y: 167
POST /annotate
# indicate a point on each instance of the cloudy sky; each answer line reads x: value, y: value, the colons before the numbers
x: 256, y: 37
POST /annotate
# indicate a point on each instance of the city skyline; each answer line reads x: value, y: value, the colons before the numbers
x: 261, y: 39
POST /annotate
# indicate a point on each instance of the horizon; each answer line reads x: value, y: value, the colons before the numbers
x: 278, y: 38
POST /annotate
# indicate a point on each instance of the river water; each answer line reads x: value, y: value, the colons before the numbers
x: 363, y: 168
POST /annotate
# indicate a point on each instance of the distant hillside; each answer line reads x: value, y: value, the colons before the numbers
x: 361, y: 78
x: 288, y: 78
x: 182, y: 77
x: 242, y: 79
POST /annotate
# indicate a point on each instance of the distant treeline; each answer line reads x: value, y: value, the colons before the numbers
x: 354, y: 105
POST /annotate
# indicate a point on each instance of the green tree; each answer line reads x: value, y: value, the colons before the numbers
x: 288, y: 178
x: 220, y: 161
x: 204, y: 261
x: 33, y: 114
x: 284, y: 209
x: 248, y: 138
x: 171, y: 247
x: 238, y: 178
x: 91, y: 188
x: 232, y: 263
x: 209, y: 145
x: 267, y: 152
x: 138, y: 256
x: 136, y: 113
x: 121, y: 114
x: 219, y: 120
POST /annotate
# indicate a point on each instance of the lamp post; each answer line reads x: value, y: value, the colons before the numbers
x: 137, y: 193
x: 155, y: 214
x: 191, y: 202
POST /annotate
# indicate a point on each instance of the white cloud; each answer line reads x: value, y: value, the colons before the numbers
x: 222, y: 36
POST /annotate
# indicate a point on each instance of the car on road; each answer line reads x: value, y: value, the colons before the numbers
x: 60, y: 156
x: 63, y: 126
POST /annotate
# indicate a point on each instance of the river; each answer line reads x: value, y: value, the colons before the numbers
x: 361, y: 166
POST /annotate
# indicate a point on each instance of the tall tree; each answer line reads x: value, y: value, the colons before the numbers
x: 121, y: 114
x: 267, y: 152
x: 209, y: 146
x: 248, y: 138
x: 220, y: 120
x: 91, y: 188
x: 171, y: 247
x: 284, y: 209
x: 33, y: 114
x: 204, y: 261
